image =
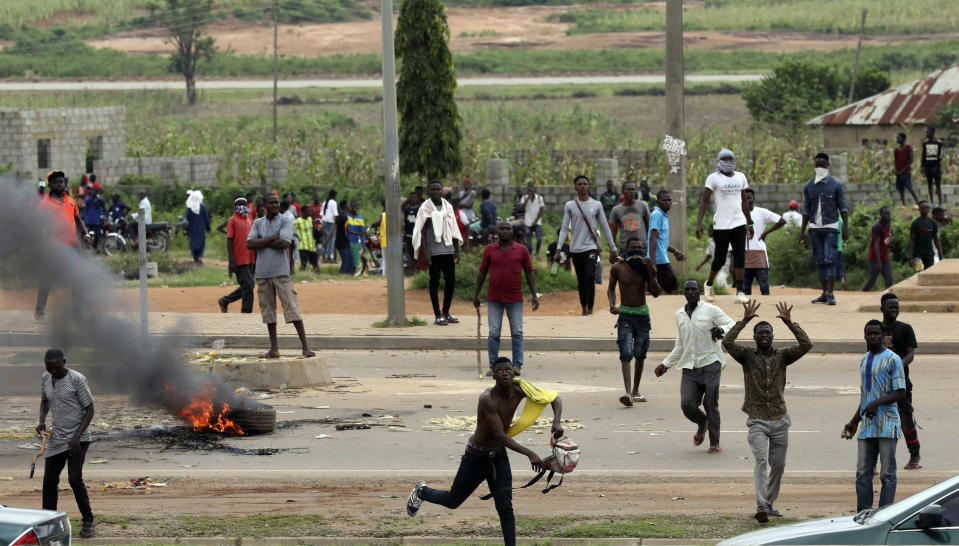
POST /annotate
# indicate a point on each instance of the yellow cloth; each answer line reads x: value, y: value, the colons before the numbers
x: 536, y: 401
x: 383, y: 230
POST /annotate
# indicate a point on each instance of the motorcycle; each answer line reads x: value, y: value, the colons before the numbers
x: 373, y: 265
x: 123, y: 235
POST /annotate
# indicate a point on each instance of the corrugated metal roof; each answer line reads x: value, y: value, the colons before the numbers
x: 910, y: 103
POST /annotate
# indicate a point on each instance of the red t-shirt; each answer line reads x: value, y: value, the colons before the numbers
x: 884, y: 236
x: 505, y: 268
x: 64, y: 215
x: 902, y: 157
x: 237, y: 228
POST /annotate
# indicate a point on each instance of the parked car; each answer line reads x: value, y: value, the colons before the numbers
x: 928, y: 517
x: 28, y: 526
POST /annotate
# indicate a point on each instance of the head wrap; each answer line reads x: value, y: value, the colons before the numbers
x: 726, y: 166
x: 194, y: 200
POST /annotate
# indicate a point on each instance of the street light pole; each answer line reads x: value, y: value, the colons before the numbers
x: 276, y: 8
x: 674, y: 143
x: 395, y: 291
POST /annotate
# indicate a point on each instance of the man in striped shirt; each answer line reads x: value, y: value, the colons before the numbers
x: 64, y: 394
x: 303, y: 226
x: 883, y: 385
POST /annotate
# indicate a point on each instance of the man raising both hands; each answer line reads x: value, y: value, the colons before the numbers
x: 764, y: 371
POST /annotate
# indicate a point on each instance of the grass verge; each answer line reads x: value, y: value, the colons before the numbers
x: 413, y: 321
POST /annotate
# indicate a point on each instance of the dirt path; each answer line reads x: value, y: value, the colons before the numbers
x: 474, y: 28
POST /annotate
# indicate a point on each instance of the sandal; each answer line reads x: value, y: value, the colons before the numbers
x: 440, y: 321
x: 626, y: 400
x: 698, y: 438
x: 639, y: 398
x: 715, y: 450
x: 912, y: 465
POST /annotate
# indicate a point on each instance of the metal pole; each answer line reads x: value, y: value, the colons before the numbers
x: 855, y: 66
x: 142, y: 247
x: 275, y: 64
x: 675, y: 142
x: 395, y: 291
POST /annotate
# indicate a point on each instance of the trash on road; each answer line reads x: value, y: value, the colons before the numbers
x: 469, y: 423
x: 352, y: 426
x: 100, y: 461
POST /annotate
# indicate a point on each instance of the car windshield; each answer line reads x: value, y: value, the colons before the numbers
x: 898, y: 509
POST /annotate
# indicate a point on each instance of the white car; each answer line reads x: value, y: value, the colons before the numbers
x: 21, y: 526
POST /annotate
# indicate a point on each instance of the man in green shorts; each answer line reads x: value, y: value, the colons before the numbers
x: 634, y: 272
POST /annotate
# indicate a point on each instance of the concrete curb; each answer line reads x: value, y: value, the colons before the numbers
x: 414, y: 343
x: 336, y: 541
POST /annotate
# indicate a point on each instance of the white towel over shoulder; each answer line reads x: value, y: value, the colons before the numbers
x: 444, y: 224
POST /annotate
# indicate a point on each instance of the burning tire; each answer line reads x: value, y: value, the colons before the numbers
x: 254, y: 418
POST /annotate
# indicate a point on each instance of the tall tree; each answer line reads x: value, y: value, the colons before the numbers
x: 429, y: 121
x: 186, y: 20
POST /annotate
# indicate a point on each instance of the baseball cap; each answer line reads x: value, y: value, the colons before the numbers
x: 793, y: 205
x: 54, y: 173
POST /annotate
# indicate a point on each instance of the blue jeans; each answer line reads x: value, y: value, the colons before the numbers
x: 538, y: 230
x: 825, y: 246
x: 514, y: 312
x: 329, y: 228
x: 869, y: 449
x: 761, y: 275
x: 346, y: 260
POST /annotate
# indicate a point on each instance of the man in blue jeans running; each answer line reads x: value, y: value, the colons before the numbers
x: 824, y: 202
x: 503, y: 260
x: 485, y: 457
x: 883, y: 385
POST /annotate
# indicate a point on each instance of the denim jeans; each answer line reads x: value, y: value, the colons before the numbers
x: 530, y: 230
x: 328, y: 230
x: 761, y: 275
x: 346, y: 260
x: 869, y: 449
x: 825, y: 245
x: 874, y: 269
x: 514, y: 312
x: 473, y: 470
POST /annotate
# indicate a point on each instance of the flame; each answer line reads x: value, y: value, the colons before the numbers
x: 203, y: 413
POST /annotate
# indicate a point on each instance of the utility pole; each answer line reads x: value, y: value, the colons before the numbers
x: 276, y: 8
x: 395, y: 291
x: 674, y: 143
x: 855, y: 66
x: 142, y: 251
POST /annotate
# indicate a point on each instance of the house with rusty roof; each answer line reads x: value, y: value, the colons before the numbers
x: 876, y: 119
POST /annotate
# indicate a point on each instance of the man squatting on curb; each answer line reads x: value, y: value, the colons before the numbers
x: 485, y: 457
x: 764, y: 372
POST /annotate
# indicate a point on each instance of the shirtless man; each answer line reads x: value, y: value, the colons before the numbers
x: 633, y: 273
x: 485, y: 457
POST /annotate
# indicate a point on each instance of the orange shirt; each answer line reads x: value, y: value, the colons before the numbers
x: 64, y: 212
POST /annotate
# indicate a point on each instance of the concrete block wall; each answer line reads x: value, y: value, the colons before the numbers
x: 192, y: 170
x: 69, y: 131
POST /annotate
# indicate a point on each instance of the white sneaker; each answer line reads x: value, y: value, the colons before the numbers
x: 414, y: 502
x: 741, y: 298
x: 708, y: 292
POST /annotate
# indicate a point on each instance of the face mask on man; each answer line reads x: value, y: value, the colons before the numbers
x: 821, y: 172
x: 242, y: 210
x: 726, y: 166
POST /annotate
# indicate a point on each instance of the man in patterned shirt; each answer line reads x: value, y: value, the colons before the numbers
x: 883, y: 386
x: 66, y: 396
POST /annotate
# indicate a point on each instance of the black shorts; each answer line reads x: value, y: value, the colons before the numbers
x: 725, y: 237
x: 666, y: 278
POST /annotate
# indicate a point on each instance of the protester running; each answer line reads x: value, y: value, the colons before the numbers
x: 582, y: 217
x: 272, y: 237
x: 657, y: 241
x: 485, y: 458
x: 882, y: 386
x: 241, y: 258
x: 65, y: 395
x: 824, y: 202
x: 699, y: 328
x: 438, y: 238
x: 635, y: 273
x: 900, y: 338
x: 764, y: 372
x: 732, y: 223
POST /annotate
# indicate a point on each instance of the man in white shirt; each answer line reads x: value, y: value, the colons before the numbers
x: 700, y: 327
x: 732, y: 224
x: 329, y: 213
x: 792, y: 216
x: 147, y: 208
x: 765, y: 222
x: 533, y: 207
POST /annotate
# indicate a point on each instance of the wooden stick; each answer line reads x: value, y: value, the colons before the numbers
x: 479, y: 321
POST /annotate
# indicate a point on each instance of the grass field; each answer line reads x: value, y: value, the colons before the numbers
x: 828, y: 16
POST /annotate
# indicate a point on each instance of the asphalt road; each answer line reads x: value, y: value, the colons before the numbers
x: 653, y: 437
x: 136, y: 85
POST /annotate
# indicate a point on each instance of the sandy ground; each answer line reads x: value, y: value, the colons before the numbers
x: 474, y: 28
